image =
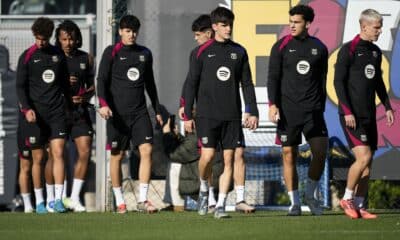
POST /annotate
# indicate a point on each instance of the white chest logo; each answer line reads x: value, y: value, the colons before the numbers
x: 133, y: 74
x: 303, y: 67
x: 369, y: 71
x: 48, y: 76
x: 223, y: 73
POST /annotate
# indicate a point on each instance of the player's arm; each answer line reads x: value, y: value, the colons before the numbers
x: 342, y: 67
x: 274, y: 82
x: 151, y: 88
x: 103, y: 82
x: 324, y: 73
x: 191, y: 89
x: 181, y: 111
x: 382, y: 94
x: 249, y: 94
x: 22, y: 89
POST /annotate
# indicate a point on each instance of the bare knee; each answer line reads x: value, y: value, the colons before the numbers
x: 289, y: 155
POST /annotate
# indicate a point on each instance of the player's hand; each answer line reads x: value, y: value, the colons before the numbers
x: 181, y: 113
x: 159, y: 119
x: 350, y: 121
x: 189, y: 126
x: 273, y: 113
x: 252, y: 122
x: 389, y: 118
x: 72, y: 80
x: 77, y: 99
x: 245, y: 119
x: 30, y: 116
x: 105, y: 112
x: 166, y: 128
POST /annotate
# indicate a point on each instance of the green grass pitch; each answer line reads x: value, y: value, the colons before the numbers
x: 188, y: 225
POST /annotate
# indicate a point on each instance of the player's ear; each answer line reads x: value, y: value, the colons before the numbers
x: 308, y: 24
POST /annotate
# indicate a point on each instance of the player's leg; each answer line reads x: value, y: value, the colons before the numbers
x: 239, y: 175
x: 49, y: 178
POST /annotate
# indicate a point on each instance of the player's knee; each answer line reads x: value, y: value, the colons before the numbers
x: 25, y: 167
x: 288, y: 155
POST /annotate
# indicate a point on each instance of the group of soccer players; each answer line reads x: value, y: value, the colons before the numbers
x: 55, y: 83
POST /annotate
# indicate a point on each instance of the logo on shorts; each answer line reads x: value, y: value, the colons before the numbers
x: 369, y: 71
x: 133, y: 74
x: 48, y: 76
x: 25, y: 153
x: 54, y: 58
x: 303, y: 67
x: 90, y: 132
x: 141, y: 58
x: 204, y: 140
x: 62, y: 133
x: 148, y: 138
x: 82, y: 66
x: 233, y: 56
x: 114, y: 144
x: 284, y: 138
x: 364, y: 138
x: 314, y: 51
x: 32, y: 140
x: 223, y: 73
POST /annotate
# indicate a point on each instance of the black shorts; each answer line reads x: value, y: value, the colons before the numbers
x: 365, y: 134
x: 51, y: 125
x: 79, y: 123
x: 311, y: 124
x: 122, y: 129
x: 25, y: 134
x: 212, y: 132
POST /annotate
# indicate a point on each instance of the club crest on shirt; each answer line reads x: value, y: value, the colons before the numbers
x: 223, y: 73
x: 25, y: 153
x: 314, y: 51
x: 233, y: 56
x: 369, y: 71
x: 364, y: 138
x: 48, y: 76
x: 82, y: 66
x: 54, y: 58
x: 141, y: 58
x: 303, y: 67
x: 283, y: 138
x: 375, y: 53
x: 133, y: 74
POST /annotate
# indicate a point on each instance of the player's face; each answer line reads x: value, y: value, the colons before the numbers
x: 298, y: 26
x: 128, y: 36
x: 222, y: 31
x: 202, y: 37
x: 66, y: 41
x: 41, y: 41
x: 371, y: 30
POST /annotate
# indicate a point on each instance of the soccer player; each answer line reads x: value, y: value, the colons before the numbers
x: 41, y: 89
x: 358, y: 76
x: 216, y: 69
x: 125, y: 72
x: 203, y: 32
x: 296, y: 92
x: 81, y: 79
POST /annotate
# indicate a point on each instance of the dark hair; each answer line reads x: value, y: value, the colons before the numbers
x: 222, y: 15
x: 71, y: 29
x: 306, y: 11
x: 202, y: 23
x: 43, y: 26
x: 129, y: 21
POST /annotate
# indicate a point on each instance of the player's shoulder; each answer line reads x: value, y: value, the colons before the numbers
x: 203, y: 48
x: 143, y: 49
x: 318, y: 42
x: 282, y: 43
x: 238, y: 47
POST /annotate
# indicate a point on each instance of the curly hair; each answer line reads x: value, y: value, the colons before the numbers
x: 71, y: 29
x: 43, y: 26
x: 306, y: 11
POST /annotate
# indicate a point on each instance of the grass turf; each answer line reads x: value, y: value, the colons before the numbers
x: 189, y: 225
